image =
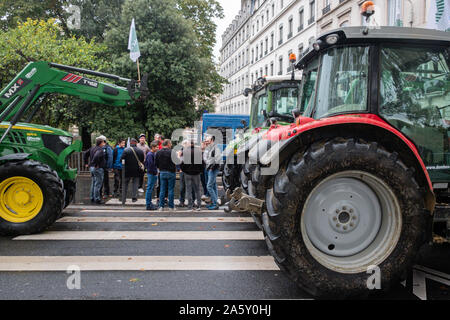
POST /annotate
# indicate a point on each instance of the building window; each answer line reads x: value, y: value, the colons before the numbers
x: 262, y: 21
x: 281, y: 35
x: 300, y: 19
x: 326, y: 7
x: 394, y: 13
x: 267, y: 46
x: 281, y: 4
x: 280, y: 66
x: 256, y: 58
x: 271, y: 68
x: 267, y: 15
x: 300, y: 50
x: 271, y: 41
x: 273, y: 9
x: 257, y: 25
x: 312, y: 5
x: 290, y: 27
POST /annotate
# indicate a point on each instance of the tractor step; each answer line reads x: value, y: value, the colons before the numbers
x: 240, y: 201
x: 441, y: 221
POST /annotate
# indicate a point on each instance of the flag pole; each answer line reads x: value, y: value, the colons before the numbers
x: 139, y: 72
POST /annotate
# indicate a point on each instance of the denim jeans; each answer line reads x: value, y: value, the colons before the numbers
x: 150, y: 186
x: 204, y: 180
x: 193, y: 189
x: 96, y: 183
x: 212, y: 186
x: 167, y: 183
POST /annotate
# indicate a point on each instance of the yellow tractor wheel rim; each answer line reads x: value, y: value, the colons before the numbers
x: 21, y: 199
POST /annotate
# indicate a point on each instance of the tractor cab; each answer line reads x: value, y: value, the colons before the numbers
x: 397, y: 75
x: 274, y: 98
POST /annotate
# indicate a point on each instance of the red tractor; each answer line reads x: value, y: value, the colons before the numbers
x: 352, y: 185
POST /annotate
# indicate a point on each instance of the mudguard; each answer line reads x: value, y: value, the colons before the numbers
x: 15, y: 157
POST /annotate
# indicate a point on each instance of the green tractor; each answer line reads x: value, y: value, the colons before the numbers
x: 351, y: 187
x: 274, y: 99
x: 36, y: 183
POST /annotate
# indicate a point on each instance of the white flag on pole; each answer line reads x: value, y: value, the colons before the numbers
x: 439, y: 15
x: 133, y: 44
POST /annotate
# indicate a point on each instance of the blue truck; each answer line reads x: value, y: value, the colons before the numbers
x: 224, y: 123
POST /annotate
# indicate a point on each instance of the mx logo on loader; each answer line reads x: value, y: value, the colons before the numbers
x: 20, y: 83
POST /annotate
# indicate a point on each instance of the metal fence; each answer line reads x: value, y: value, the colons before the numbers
x: 76, y: 161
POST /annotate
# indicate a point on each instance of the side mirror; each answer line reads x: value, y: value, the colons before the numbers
x: 247, y: 92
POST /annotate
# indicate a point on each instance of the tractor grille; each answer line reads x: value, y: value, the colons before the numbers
x: 16, y: 137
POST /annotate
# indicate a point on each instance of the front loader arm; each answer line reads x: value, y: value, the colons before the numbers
x: 39, y: 78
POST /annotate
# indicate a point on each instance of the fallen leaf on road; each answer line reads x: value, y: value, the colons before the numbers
x: 227, y: 246
x: 154, y: 224
x: 134, y: 280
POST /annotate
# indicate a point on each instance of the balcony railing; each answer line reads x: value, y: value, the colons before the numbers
x: 300, y: 28
x: 326, y: 9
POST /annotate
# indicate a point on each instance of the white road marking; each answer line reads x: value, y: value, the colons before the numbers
x: 144, y: 235
x: 111, y: 263
x: 156, y: 219
x: 150, y: 212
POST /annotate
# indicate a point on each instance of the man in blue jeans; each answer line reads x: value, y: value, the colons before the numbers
x: 152, y: 174
x: 95, y: 160
x: 164, y: 160
x: 211, y: 157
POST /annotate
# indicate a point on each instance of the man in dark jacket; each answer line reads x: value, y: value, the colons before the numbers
x: 94, y: 158
x: 132, y: 169
x: 152, y: 174
x: 192, y: 165
x: 167, y: 173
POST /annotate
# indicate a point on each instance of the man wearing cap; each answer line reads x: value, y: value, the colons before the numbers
x: 132, y: 156
x: 142, y: 145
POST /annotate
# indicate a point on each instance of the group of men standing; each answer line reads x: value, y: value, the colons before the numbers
x: 197, y: 167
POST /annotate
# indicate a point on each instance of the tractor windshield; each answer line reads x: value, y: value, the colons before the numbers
x: 286, y: 100
x: 259, y: 104
x: 415, y: 98
x: 341, y: 82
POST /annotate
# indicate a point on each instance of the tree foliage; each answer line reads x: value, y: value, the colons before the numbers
x: 36, y: 40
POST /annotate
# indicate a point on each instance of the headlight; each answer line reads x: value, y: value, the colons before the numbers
x: 66, y: 140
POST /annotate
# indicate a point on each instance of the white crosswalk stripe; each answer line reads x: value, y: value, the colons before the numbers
x: 145, y: 235
x: 142, y: 263
x: 157, y: 219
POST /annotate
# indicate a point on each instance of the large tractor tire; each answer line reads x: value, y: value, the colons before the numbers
x: 69, y: 192
x: 244, y: 175
x: 31, y: 197
x: 340, y: 207
x: 230, y: 177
